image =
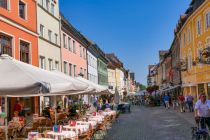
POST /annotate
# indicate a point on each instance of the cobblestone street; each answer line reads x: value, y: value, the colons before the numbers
x: 145, y: 123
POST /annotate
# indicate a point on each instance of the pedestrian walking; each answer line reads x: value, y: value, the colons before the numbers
x: 173, y: 99
x: 202, y: 111
x: 190, y: 102
x: 163, y: 100
x: 181, y: 99
x: 166, y: 99
x: 185, y: 102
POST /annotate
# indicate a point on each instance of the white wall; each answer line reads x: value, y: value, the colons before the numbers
x: 112, y: 79
x: 92, y: 68
x: 49, y: 50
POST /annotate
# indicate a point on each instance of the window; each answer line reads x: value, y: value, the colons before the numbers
x: 52, y: 8
x: 41, y: 30
x: 5, y: 44
x: 184, y: 39
x: 84, y: 53
x: 80, y: 51
x: 24, y: 52
x: 64, y: 40
x: 50, y: 64
x: 85, y: 73
x: 199, y: 27
x: 65, y: 67
x: 89, y: 76
x: 69, y: 44
x: 199, y: 53
x: 70, y: 69
x: 81, y: 71
x: 56, y: 65
x: 47, y: 4
x: 189, y: 35
x: 41, y: 2
x: 42, y: 62
x: 75, y: 67
x: 50, y: 35
x: 208, y: 20
x: 22, y: 9
x: 4, y: 4
x: 189, y: 61
x: 74, y: 47
x: 56, y: 38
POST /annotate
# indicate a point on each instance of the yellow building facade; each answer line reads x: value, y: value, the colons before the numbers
x: 194, y: 37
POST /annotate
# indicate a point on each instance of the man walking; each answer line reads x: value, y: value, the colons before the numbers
x: 182, y: 103
x: 190, y: 102
x: 166, y: 99
x: 202, y: 111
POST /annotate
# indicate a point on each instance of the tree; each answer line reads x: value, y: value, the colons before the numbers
x: 152, y: 88
x: 142, y: 87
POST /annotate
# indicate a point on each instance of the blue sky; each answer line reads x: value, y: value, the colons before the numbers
x: 133, y: 29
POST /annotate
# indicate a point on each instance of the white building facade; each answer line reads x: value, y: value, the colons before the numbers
x: 48, y: 28
x: 49, y: 51
x: 92, y: 67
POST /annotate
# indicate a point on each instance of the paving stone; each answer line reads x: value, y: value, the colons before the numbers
x: 156, y: 123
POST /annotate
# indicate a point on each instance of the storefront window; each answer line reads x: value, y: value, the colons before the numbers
x: 2, y: 111
x: 208, y: 89
x: 201, y: 88
x: 5, y: 45
x: 46, y: 102
x: 24, y: 52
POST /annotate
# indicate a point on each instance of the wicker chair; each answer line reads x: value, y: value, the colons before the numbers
x: 34, y: 127
x: 48, y: 125
x: 2, y: 135
x: 84, y: 136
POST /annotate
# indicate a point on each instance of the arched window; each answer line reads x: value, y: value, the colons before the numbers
x: 207, y: 19
x: 199, y: 50
x: 189, y: 60
x: 208, y: 41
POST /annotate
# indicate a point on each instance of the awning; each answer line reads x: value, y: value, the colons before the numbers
x: 170, y: 88
x: 99, y: 90
x: 189, y: 85
x: 19, y: 79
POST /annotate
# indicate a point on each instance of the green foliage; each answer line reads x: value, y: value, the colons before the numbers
x: 142, y: 87
x: 152, y: 88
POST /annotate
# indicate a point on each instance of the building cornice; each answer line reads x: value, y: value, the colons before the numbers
x: 192, y: 15
x: 70, y: 30
x: 48, y: 12
x: 56, y: 45
x: 17, y: 25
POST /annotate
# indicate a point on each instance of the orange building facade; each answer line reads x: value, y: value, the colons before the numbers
x: 18, y: 37
x: 18, y: 30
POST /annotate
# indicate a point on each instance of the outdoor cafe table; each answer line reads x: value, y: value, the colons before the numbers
x: 65, y: 134
x: 92, y: 123
x: 39, y: 118
x: 81, y: 128
x: 108, y: 113
x: 43, y: 139
x: 98, y: 118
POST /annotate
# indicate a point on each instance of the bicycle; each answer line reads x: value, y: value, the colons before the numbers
x: 199, y: 133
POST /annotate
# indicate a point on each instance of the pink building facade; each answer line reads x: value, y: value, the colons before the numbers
x: 73, y: 50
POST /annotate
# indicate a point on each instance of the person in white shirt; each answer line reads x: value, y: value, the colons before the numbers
x: 202, y: 111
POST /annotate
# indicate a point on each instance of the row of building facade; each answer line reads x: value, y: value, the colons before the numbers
x: 184, y: 68
x: 35, y: 32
